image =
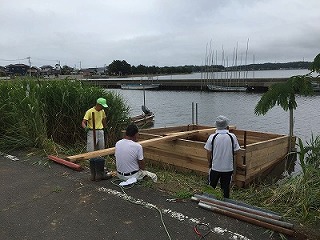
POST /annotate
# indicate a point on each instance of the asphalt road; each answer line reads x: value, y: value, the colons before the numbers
x: 56, y: 202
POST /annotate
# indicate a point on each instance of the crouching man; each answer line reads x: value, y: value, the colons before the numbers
x: 130, y: 162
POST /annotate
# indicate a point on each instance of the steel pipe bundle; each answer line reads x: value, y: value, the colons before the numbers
x: 258, y: 217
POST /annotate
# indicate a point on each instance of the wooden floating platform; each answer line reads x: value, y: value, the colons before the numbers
x: 259, y: 151
x: 183, y: 148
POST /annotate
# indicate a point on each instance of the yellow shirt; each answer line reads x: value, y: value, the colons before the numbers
x: 98, y: 116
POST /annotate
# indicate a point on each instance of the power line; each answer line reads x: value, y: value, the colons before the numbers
x: 19, y: 59
x: 48, y: 60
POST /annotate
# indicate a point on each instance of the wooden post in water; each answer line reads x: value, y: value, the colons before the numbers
x: 196, y: 113
x: 192, y: 112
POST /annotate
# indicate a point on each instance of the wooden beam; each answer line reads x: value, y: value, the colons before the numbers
x: 66, y: 163
x: 108, y: 151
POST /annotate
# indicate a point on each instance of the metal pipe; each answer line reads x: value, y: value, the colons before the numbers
x: 192, y: 106
x: 245, y: 139
x: 197, y: 113
x: 248, y: 219
x: 251, y: 215
x: 234, y: 206
x: 244, y: 204
x: 250, y: 206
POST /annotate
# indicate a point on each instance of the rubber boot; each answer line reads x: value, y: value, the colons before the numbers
x: 92, y: 169
x: 100, y: 173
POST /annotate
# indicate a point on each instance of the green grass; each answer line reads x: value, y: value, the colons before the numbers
x: 47, y: 113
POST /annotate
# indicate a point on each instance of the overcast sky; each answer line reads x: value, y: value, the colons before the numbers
x: 157, y: 32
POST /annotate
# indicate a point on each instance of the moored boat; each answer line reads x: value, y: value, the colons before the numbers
x: 146, y: 119
x: 216, y: 88
x: 143, y: 120
x: 137, y: 86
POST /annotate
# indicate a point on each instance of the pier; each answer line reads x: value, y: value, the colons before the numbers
x: 254, y: 85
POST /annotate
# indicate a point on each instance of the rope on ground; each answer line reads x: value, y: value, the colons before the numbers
x: 123, y: 188
x: 202, y: 230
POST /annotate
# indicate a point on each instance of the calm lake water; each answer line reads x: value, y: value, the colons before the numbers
x: 232, y: 75
x: 173, y: 108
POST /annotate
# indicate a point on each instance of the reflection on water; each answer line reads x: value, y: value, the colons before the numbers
x: 174, y: 108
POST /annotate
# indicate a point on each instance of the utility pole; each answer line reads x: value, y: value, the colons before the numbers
x: 29, y: 65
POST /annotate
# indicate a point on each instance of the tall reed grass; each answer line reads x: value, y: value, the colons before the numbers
x: 35, y: 113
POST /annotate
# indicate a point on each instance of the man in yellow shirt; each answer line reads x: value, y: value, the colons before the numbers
x: 94, y: 121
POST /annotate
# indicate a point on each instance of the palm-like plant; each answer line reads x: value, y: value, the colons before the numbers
x: 284, y: 94
x: 315, y: 66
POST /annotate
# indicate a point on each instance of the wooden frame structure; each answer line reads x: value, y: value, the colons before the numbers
x: 183, y: 148
x: 260, y: 151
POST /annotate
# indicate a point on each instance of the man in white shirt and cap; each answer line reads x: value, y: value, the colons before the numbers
x: 221, y: 147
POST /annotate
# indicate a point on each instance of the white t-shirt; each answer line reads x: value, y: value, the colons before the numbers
x: 222, y: 160
x: 128, y: 153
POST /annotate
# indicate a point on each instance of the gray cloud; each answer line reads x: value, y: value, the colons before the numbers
x: 157, y: 32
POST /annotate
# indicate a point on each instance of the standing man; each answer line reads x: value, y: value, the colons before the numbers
x: 221, y: 147
x: 94, y: 121
x: 129, y: 155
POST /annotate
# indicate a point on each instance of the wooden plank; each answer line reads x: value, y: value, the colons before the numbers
x: 254, y: 137
x: 165, y: 130
x: 171, y: 150
x: 177, y: 160
x: 185, y: 160
x: 267, y: 150
x: 184, y: 147
x: 266, y: 144
x: 268, y: 159
x: 108, y: 151
x: 264, y: 157
x: 254, y: 173
x: 66, y: 163
x: 241, y: 157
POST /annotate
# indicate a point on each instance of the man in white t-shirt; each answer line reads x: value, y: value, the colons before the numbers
x: 129, y: 155
x: 220, y: 148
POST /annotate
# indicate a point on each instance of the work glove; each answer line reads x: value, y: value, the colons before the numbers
x: 86, y: 129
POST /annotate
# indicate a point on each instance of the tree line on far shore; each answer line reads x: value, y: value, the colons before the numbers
x: 123, y: 68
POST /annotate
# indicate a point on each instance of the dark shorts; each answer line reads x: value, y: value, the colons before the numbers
x: 225, y: 178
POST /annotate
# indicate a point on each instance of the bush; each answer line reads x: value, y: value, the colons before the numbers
x: 37, y: 112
